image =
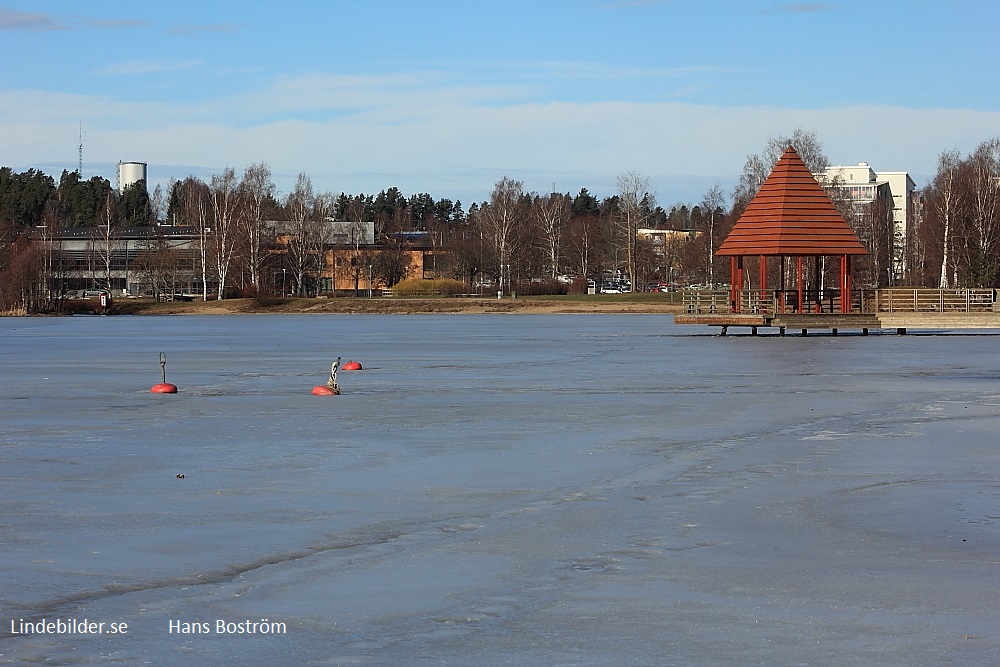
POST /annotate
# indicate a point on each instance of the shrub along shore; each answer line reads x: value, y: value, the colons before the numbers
x: 575, y: 303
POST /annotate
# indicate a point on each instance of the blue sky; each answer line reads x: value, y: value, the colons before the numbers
x: 447, y: 97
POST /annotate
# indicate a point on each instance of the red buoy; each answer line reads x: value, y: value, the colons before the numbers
x: 351, y: 366
x: 322, y: 390
x: 164, y: 387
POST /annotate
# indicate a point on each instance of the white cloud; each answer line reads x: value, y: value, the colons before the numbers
x: 366, y: 134
x: 143, y: 67
x: 116, y: 23
x: 14, y: 20
x: 803, y: 7
x: 196, y: 29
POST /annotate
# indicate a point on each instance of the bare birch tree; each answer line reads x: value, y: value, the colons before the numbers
x: 502, y: 218
x: 106, y: 241
x: 984, y: 193
x: 224, y: 224
x: 356, y: 212
x: 323, y: 208
x: 552, y: 214
x: 759, y: 165
x: 945, y: 206
x: 197, y: 204
x: 157, y: 205
x: 307, y: 232
x: 712, y: 206
x: 584, y: 232
x: 298, y: 211
x: 257, y: 192
x: 635, y: 204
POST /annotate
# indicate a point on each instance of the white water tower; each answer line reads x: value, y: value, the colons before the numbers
x: 130, y: 173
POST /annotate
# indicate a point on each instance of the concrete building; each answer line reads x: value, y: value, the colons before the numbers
x: 126, y: 261
x: 863, y: 185
x: 165, y: 259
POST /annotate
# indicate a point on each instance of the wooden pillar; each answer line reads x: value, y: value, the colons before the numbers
x: 762, y: 281
x: 845, y: 294
x: 734, y: 285
x: 818, y: 307
x: 848, y: 282
x: 781, y: 285
x: 738, y: 284
x: 799, y: 284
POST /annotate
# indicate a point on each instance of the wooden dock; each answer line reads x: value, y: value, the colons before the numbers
x: 901, y: 310
x: 832, y: 322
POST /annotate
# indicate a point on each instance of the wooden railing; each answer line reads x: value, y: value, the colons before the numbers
x: 890, y: 300
x: 908, y: 300
x: 760, y: 302
x: 705, y: 302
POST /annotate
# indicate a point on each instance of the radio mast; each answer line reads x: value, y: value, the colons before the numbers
x: 79, y: 164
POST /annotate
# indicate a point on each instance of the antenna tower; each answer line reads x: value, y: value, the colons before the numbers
x: 79, y: 164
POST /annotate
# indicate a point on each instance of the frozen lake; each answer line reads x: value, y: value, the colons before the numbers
x: 496, y: 490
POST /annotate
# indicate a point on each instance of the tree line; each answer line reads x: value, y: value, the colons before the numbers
x: 515, y: 237
x: 959, y: 240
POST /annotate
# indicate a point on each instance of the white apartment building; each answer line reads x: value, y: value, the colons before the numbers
x: 864, y: 185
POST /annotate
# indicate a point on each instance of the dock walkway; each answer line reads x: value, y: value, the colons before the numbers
x: 902, y: 310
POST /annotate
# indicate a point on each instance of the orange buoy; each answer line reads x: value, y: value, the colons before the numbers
x: 164, y: 387
x: 351, y: 366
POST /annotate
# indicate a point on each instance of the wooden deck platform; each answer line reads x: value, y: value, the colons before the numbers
x: 895, y: 308
x: 833, y: 322
x: 724, y: 319
x: 836, y: 322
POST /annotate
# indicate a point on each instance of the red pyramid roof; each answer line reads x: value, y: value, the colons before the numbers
x: 791, y: 215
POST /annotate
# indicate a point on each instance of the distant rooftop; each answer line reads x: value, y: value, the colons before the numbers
x: 791, y: 215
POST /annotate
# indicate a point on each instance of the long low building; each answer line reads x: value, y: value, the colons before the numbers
x: 125, y: 261
x: 168, y: 259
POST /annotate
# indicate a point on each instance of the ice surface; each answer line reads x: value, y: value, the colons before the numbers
x: 498, y: 490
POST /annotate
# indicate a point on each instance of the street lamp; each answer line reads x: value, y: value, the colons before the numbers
x: 371, y: 278
x: 283, y: 282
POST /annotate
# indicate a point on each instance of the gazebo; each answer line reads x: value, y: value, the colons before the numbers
x: 790, y: 217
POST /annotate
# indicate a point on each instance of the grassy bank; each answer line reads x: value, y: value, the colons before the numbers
x: 573, y: 303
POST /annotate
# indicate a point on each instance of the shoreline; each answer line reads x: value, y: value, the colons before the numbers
x: 632, y: 304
